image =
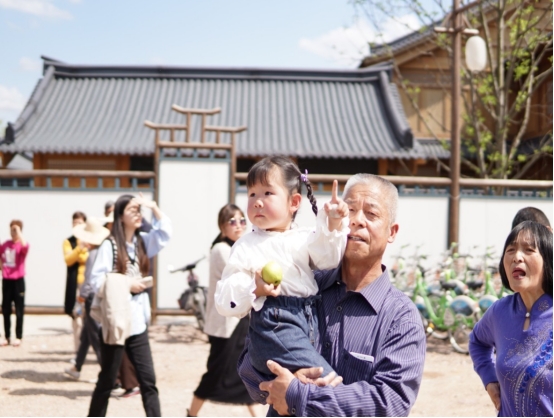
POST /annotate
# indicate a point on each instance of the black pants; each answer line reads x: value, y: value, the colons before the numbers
x: 138, y: 350
x: 89, y: 336
x: 13, y: 291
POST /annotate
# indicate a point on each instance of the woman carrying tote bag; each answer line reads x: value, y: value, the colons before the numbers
x: 127, y: 252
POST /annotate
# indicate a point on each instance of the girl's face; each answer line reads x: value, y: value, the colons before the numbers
x: 524, y: 265
x: 132, y: 217
x: 270, y: 207
x: 234, y: 227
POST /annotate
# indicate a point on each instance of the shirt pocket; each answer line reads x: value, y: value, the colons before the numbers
x: 356, y: 366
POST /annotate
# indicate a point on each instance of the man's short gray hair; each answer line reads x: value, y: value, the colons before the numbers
x: 389, y: 189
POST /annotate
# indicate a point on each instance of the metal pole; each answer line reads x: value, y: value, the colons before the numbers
x: 454, y: 198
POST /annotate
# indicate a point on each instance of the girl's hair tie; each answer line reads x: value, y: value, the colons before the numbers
x: 304, y: 177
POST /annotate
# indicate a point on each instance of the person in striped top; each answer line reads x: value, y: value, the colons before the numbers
x: 369, y: 332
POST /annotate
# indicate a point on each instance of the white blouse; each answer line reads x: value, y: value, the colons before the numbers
x: 154, y: 241
x: 217, y: 325
x: 298, y: 251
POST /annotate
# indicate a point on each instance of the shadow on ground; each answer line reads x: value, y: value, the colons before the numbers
x: 59, y: 352
x: 176, y: 333
x: 58, y: 331
x: 435, y: 345
x: 47, y: 360
x: 34, y: 376
x: 70, y: 394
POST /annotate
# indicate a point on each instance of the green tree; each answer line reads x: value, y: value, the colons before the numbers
x: 498, y: 102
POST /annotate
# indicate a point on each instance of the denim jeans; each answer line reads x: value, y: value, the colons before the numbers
x: 285, y: 330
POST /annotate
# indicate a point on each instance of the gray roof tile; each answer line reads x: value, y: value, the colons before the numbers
x: 302, y: 113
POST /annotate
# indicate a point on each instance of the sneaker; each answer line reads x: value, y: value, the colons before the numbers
x: 117, y: 392
x: 73, y: 373
x: 131, y: 392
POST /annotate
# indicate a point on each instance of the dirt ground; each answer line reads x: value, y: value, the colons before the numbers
x: 32, y: 383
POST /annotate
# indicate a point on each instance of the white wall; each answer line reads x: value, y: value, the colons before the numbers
x: 46, y: 217
x: 192, y: 194
x: 423, y: 222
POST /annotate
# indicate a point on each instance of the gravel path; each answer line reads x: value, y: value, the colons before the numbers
x: 32, y: 383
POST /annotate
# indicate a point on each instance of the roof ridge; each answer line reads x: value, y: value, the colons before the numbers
x: 63, y: 69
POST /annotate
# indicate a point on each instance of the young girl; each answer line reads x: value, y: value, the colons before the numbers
x: 282, y: 327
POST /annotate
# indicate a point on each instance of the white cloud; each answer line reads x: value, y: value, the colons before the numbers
x: 43, y: 8
x: 348, y: 46
x: 28, y: 64
x: 11, y: 99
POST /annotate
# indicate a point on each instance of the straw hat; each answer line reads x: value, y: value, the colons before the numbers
x: 91, y: 232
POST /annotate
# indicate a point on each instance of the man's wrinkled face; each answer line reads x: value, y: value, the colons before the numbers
x: 370, y: 226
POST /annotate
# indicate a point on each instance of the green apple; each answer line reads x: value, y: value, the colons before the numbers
x: 272, y: 273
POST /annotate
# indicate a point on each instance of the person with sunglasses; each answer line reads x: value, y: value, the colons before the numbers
x: 221, y: 382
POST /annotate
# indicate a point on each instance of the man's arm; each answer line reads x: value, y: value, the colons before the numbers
x: 391, y: 391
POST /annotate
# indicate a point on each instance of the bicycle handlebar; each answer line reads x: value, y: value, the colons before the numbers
x: 190, y: 266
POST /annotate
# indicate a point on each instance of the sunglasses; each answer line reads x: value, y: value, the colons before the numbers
x: 233, y: 222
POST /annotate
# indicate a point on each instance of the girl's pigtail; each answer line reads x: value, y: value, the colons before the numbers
x: 311, y: 197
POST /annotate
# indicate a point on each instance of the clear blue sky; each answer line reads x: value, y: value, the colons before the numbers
x: 221, y: 33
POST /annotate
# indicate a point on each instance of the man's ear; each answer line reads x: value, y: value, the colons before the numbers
x: 295, y: 202
x: 392, y: 233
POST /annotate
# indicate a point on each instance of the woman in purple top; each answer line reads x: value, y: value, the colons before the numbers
x: 519, y: 327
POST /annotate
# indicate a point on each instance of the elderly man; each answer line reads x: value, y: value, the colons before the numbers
x: 369, y: 332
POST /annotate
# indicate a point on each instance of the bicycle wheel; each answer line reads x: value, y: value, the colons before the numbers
x: 426, y: 326
x: 459, y: 338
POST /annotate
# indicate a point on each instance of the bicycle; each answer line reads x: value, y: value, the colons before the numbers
x: 445, y: 314
x: 194, y: 298
x: 488, y: 294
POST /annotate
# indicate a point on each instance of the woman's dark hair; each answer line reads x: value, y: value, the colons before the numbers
x: 541, y: 238
x: 292, y: 177
x: 225, y: 213
x: 79, y: 215
x: 118, y: 233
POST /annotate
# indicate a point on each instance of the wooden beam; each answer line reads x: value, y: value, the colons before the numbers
x: 185, y: 110
x: 75, y: 173
x: 433, y: 181
x: 205, y: 145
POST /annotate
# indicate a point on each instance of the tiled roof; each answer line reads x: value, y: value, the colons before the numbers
x: 300, y: 113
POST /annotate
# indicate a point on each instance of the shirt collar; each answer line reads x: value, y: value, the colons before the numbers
x: 375, y: 292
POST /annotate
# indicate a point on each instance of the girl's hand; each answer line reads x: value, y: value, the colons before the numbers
x: 336, y: 208
x: 493, y: 389
x: 150, y: 204
x: 313, y: 375
x: 137, y: 287
x: 265, y: 289
x: 142, y: 201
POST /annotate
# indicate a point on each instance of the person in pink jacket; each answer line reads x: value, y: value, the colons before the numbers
x: 12, y: 262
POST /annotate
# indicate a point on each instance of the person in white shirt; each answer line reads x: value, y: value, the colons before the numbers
x: 221, y: 383
x: 127, y: 252
x: 282, y: 322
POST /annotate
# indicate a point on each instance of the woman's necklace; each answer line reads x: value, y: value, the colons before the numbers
x: 527, y: 314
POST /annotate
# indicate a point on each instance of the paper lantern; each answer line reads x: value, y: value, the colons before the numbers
x: 476, y: 53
